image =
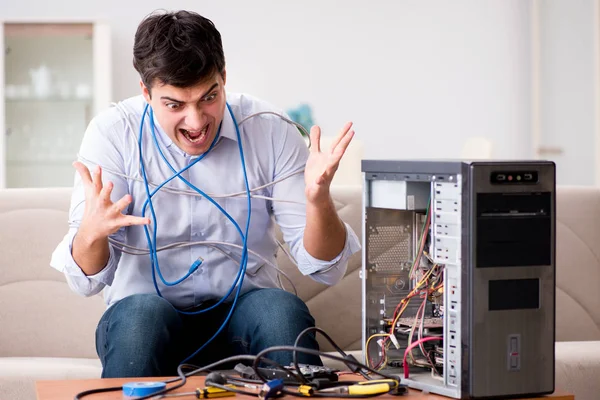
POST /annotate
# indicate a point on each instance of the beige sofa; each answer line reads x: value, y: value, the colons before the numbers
x: 47, y: 331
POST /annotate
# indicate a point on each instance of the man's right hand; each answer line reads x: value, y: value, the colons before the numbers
x: 102, y: 217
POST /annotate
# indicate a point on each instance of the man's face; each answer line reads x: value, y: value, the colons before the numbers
x: 190, y: 116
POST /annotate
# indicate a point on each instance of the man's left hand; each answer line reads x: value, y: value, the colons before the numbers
x: 321, y: 166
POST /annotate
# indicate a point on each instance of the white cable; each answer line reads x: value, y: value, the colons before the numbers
x: 138, y: 251
x: 286, y: 252
x: 188, y: 192
x: 289, y: 121
x: 281, y: 284
x: 435, y: 375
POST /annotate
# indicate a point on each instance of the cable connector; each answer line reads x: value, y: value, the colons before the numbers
x: 399, y: 390
x: 354, y: 367
x: 196, y: 265
x: 306, y: 390
x: 271, y: 389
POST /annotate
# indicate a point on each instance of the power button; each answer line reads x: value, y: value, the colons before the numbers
x: 514, y: 352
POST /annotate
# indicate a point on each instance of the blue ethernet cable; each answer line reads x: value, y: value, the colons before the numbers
x: 243, y: 262
x: 151, y: 244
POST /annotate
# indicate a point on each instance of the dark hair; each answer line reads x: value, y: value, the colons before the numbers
x: 179, y: 48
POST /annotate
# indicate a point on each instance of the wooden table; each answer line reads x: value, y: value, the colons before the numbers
x: 67, y: 389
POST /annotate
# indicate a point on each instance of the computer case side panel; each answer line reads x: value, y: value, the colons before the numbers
x: 512, y: 303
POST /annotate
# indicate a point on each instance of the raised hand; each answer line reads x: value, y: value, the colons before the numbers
x: 101, y: 216
x: 321, y: 166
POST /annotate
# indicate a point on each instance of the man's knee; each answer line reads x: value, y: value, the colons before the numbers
x: 142, y: 317
x: 133, y: 335
x: 273, y: 317
x: 143, y: 307
x: 277, y: 312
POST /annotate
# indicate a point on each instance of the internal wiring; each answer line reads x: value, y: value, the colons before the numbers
x: 429, y: 286
x: 419, y: 316
x: 423, y: 283
x: 423, y: 237
x: 409, y: 348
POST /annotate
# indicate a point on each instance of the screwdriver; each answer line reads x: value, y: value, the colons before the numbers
x: 364, y: 388
x: 205, y: 393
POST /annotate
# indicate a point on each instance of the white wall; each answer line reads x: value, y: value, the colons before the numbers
x: 417, y: 77
x: 568, y: 81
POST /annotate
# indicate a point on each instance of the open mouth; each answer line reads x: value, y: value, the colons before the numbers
x: 196, y: 137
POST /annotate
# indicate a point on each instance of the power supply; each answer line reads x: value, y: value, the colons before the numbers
x: 458, y: 275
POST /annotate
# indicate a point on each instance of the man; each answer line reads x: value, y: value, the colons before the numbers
x: 185, y: 116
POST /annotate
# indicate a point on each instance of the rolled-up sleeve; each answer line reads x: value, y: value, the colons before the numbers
x: 97, y: 148
x: 292, y: 154
x: 86, y: 285
x: 329, y: 272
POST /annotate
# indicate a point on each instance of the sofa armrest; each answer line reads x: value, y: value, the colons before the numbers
x: 578, y: 368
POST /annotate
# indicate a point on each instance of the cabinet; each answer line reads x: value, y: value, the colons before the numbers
x: 55, y: 76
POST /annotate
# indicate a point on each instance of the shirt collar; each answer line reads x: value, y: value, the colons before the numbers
x: 227, y: 131
x: 228, y: 127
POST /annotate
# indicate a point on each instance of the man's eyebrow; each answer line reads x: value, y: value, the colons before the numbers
x: 179, y: 101
x: 171, y: 99
x: 210, y: 90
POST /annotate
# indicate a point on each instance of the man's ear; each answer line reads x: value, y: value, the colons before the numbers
x: 145, y: 91
x: 224, y: 75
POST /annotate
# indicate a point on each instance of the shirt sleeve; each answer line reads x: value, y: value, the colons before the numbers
x: 99, y: 147
x: 291, y: 155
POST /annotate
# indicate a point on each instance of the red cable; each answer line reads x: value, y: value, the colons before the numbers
x: 412, y: 346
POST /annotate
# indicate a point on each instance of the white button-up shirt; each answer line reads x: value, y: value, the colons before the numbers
x: 272, y: 148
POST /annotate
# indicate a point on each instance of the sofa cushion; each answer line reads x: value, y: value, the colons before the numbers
x: 50, y: 367
x: 39, y: 314
x: 577, y: 368
x: 577, y: 263
x: 44, y: 318
x: 19, y: 374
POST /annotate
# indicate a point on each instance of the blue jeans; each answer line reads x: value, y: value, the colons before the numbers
x: 144, y: 335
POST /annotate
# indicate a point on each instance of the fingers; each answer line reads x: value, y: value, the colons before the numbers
x: 84, y: 172
x: 123, y: 203
x: 315, y: 139
x: 341, y: 147
x: 337, y: 153
x: 126, y: 220
x: 340, y: 136
x: 97, y: 177
x: 129, y: 220
x: 106, y: 191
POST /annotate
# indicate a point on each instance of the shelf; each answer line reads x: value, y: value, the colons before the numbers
x: 47, y: 100
x: 23, y: 163
x: 48, y: 29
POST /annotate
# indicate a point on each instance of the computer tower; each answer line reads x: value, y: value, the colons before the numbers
x: 459, y: 266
